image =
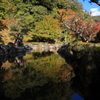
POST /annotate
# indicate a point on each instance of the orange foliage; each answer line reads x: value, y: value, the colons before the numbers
x: 61, y: 14
x: 65, y: 15
x: 66, y: 74
x: 5, y: 22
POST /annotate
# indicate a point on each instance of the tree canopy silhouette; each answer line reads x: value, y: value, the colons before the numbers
x: 94, y: 1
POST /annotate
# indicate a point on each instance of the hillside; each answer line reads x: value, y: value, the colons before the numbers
x: 96, y: 18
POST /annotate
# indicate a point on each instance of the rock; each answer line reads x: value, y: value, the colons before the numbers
x: 80, y: 53
x: 10, y: 48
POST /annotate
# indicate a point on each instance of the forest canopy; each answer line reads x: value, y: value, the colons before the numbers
x: 40, y: 20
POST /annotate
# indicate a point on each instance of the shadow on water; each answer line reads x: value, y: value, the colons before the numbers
x: 86, y: 83
x: 35, y: 76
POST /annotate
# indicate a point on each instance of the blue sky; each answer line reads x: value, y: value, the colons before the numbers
x: 94, y: 8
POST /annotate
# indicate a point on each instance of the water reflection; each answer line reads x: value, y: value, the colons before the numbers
x: 35, y: 76
x: 86, y: 65
x: 77, y: 97
x: 86, y: 83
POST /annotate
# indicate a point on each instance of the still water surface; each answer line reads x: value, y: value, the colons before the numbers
x: 36, y: 76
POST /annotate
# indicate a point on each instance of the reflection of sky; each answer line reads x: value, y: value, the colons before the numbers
x: 77, y: 97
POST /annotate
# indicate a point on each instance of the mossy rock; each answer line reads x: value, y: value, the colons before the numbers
x: 83, y: 46
x: 82, y: 54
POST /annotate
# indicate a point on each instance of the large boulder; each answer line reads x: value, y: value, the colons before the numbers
x: 78, y: 52
x: 10, y: 48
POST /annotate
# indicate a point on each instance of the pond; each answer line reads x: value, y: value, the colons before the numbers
x: 37, y: 76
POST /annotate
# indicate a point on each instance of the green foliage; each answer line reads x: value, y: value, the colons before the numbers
x: 29, y: 15
x: 49, y: 4
x: 69, y: 4
x: 48, y: 28
x: 26, y: 14
x: 39, y: 12
x: 24, y: 21
x: 4, y: 8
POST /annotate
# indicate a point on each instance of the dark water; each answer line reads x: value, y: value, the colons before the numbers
x: 37, y: 76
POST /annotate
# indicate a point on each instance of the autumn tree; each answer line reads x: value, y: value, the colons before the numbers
x: 47, y: 30
x: 78, y: 24
x: 63, y: 15
x: 24, y: 14
x: 85, y: 31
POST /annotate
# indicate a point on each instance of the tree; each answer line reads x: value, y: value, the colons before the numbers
x: 62, y: 14
x: 24, y: 14
x: 95, y: 1
x: 60, y: 4
x: 47, y: 30
x: 85, y: 31
x: 78, y: 24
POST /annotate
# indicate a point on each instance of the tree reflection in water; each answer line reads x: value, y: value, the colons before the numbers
x: 35, y: 76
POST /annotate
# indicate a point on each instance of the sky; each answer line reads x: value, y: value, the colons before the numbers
x: 94, y: 8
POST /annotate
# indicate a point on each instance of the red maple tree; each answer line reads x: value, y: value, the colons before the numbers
x: 85, y: 31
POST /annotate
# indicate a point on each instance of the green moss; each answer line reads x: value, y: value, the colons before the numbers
x: 80, y: 42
